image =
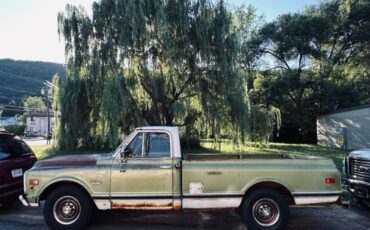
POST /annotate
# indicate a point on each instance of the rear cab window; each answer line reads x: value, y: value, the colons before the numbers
x: 157, y: 145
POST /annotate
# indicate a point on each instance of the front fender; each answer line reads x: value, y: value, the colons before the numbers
x: 60, y: 180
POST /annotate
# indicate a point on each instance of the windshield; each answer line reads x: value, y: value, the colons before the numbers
x: 13, y: 148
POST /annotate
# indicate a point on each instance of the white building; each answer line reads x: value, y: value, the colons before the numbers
x: 5, y: 121
x: 346, y: 128
x: 37, y: 124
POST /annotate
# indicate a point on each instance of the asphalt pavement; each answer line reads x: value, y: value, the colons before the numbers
x: 15, y: 216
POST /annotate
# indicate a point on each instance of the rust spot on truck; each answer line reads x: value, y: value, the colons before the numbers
x: 177, y: 205
x: 140, y: 205
x: 72, y: 160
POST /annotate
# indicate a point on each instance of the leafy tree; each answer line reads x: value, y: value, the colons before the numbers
x: 309, y: 58
x: 34, y: 104
x: 149, y: 62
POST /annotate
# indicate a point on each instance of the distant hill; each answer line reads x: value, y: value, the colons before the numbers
x: 20, y: 79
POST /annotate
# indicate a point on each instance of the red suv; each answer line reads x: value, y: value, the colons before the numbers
x: 15, y: 158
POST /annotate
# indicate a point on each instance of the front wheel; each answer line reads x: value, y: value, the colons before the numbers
x: 68, y: 207
x: 265, y: 209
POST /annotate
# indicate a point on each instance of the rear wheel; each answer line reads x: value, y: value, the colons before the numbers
x: 265, y: 209
x: 68, y: 207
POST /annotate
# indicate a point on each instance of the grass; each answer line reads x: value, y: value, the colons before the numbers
x: 42, y: 151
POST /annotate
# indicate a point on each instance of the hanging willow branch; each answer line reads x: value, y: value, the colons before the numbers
x: 150, y: 62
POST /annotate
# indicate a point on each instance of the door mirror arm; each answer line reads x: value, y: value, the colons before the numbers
x: 126, y: 153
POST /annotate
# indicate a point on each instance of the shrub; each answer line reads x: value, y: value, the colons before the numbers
x: 16, y: 129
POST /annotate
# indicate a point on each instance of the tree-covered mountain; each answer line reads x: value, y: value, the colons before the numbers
x: 20, y: 79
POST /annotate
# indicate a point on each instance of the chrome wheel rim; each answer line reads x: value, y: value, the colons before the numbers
x: 67, y: 210
x: 266, y: 212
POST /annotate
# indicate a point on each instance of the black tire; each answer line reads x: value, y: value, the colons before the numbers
x: 364, y: 202
x: 265, y: 209
x: 68, y: 207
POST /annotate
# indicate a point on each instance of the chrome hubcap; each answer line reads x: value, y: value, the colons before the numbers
x: 67, y: 210
x: 266, y: 212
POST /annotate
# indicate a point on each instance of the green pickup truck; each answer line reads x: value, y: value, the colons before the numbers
x: 148, y: 171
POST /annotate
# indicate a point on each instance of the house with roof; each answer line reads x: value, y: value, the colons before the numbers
x: 37, y: 123
x: 346, y: 128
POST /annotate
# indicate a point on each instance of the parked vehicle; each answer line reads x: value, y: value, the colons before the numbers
x: 357, y: 174
x: 148, y: 172
x: 15, y: 158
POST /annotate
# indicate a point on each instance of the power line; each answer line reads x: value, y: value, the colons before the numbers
x: 24, y: 91
x: 12, y: 106
x: 22, y: 77
x: 19, y: 98
x: 13, y: 109
x: 26, y: 110
x: 20, y: 108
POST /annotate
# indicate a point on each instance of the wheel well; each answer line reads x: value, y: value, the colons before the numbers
x: 52, y: 187
x: 271, y: 185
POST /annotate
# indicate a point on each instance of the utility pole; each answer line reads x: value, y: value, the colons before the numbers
x: 46, y: 91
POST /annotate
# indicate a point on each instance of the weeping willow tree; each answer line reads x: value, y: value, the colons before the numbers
x: 149, y: 62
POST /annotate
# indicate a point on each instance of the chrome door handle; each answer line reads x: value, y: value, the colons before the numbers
x: 165, y: 167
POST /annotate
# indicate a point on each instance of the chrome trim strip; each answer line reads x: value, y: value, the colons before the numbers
x: 315, y: 199
x: 203, y: 203
x: 98, y: 196
x: 200, y: 195
x: 205, y: 195
x: 316, y: 193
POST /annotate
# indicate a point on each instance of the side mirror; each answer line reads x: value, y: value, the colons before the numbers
x: 126, y: 153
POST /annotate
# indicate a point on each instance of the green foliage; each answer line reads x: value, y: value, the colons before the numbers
x: 263, y: 122
x: 150, y: 62
x: 316, y: 63
x: 34, y: 104
x: 16, y: 129
x: 212, y: 71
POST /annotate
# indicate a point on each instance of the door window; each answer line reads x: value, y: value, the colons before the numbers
x: 135, y: 147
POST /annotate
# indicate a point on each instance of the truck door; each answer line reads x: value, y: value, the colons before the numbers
x: 142, y: 177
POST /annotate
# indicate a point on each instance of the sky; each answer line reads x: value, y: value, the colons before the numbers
x: 28, y: 29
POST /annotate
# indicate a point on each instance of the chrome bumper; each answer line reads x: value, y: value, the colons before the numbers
x: 25, y: 202
x: 348, y: 183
